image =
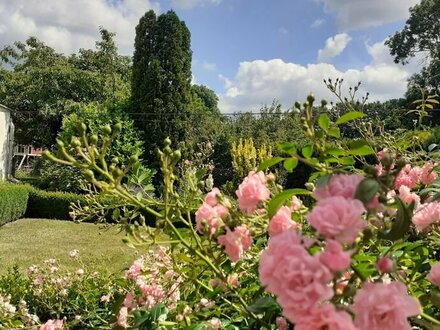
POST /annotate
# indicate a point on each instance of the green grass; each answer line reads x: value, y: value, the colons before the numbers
x: 31, y: 241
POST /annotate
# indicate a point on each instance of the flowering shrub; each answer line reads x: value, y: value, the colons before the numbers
x: 48, y: 297
x: 363, y: 256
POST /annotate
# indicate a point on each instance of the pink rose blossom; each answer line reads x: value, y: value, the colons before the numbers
x: 129, y: 300
x: 380, y: 306
x: 425, y: 215
x: 210, y: 218
x: 407, y: 196
x: 408, y: 176
x: 252, y: 192
x: 338, y: 218
x: 233, y: 280
x: 105, y: 298
x: 52, y: 325
x: 122, y: 318
x: 428, y: 175
x: 385, y: 265
x: 281, y: 221
x: 32, y: 269
x: 379, y: 169
x: 381, y: 154
x: 74, y: 253
x: 135, y: 269
x: 215, y: 323
x: 80, y: 272
x: 39, y: 280
x: 281, y: 323
x: 334, y: 257
x: 211, y: 197
x: 325, y: 317
x: 295, y: 204
x: 339, y: 185
x: 236, y: 242
x: 299, y: 280
x: 434, y: 274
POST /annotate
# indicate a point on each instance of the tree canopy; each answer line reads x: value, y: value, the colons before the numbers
x: 41, y: 84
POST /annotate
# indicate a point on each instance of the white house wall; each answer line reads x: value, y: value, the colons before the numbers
x: 6, y: 131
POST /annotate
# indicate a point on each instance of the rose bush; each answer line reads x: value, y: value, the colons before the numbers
x: 360, y: 252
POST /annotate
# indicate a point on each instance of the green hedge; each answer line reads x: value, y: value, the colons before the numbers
x: 13, y: 201
x: 51, y: 205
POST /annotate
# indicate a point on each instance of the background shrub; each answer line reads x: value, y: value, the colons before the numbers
x: 13, y: 201
x: 51, y: 204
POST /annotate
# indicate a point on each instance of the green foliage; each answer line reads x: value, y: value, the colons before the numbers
x: 420, y: 35
x: 40, y: 84
x: 13, y: 201
x: 96, y: 116
x: 55, y: 177
x: 51, y: 205
x: 204, y: 100
x: 161, y: 77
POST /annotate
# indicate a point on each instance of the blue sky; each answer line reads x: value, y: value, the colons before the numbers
x: 248, y: 51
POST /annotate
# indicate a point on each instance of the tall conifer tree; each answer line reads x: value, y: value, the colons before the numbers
x: 161, y: 83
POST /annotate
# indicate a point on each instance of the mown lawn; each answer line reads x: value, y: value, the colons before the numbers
x: 31, y: 241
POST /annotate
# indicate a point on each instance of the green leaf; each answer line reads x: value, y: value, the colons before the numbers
x: 287, y: 147
x: 432, y: 147
x: 366, y: 190
x: 159, y: 312
x: 263, y: 304
x: 435, y: 298
x: 290, y: 164
x: 277, y: 201
x: 346, y: 160
x: 307, y: 151
x: 349, y: 116
x: 334, y: 132
x: 324, y: 121
x: 322, y: 181
x: 402, y: 223
x: 360, y: 148
x: 335, y: 151
x: 269, y: 163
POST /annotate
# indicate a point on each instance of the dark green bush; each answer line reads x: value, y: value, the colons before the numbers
x: 13, y: 201
x: 51, y: 204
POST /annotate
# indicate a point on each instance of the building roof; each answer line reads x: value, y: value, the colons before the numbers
x: 4, y: 107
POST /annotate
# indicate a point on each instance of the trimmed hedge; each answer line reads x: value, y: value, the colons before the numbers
x: 51, y: 205
x: 13, y: 201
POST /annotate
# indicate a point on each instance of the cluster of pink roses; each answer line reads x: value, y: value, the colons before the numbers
x: 425, y: 213
x: 303, y: 281
x: 157, y: 282
x: 210, y: 216
x: 409, y: 178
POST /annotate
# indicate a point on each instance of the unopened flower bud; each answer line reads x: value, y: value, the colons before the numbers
x: 385, y: 265
x: 107, y: 130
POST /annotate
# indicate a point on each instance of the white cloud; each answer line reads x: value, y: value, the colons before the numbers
x: 259, y: 82
x: 317, y: 23
x: 68, y: 25
x: 208, y: 66
x: 359, y: 14
x: 333, y: 47
x: 188, y: 4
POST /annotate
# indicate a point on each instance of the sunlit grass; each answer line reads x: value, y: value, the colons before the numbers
x: 30, y: 241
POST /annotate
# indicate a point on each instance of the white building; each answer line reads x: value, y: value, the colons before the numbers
x: 6, y: 142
